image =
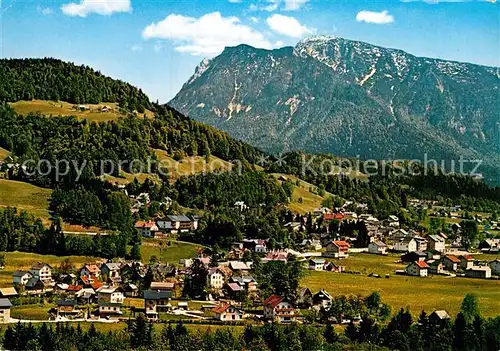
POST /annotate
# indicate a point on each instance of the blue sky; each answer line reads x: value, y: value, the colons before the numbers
x: 156, y: 45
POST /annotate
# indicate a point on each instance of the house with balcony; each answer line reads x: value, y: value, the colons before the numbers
x: 276, y: 308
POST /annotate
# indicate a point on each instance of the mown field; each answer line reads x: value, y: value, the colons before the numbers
x: 171, y: 254
x: 430, y: 293
x: 304, y: 198
x: 61, y: 108
x: 191, y: 165
x: 25, y: 196
x: 24, y: 260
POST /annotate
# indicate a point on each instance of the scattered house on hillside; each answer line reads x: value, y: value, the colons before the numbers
x: 147, y: 228
x: 110, y: 300
x: 21, y: 277
x: 275, y: 255
x: 215, y: 278
x: 414, y: 256
x: 490, y: 245
x: 392, y: 221
x: 131, y: 290
x: 90, y: 270
x: 67, y: 308
x: 42, y: 271
x: 405, y: 245
x: 317, y: 264
x: 238, y: 266
x: 466, y: 261
x: 332, y: 267
x: 293, y: 226
x: 337, y: 249
x: 330, y: 216
x: 246, y: 282
x: 399, y: 234
x: 8, y: 292
x: 495, y: 266
x: 422, y: 243
x: 240, y: 205
x: 312, y: 243
x: 162, y: 286
x: 418, y: 268
x: 178, y: 224
x: 228, y: 312
x: 111, y: 270
x: 439, y: 318
x: 377, y: 247
x: 451, y: 262
x: 276, y: 308
x: 436, y: 266
x: 483, y: 272
x: 436, y: 243
x: 5, y: 306
x: 305, y: 297
x: 155, y: 302
x: 255, y: 245
x: 323, y: 299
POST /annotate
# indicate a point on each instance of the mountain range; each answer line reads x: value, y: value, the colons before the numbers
x: 350, y: 98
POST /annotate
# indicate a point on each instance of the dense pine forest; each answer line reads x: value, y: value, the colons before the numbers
x: 52, y: 79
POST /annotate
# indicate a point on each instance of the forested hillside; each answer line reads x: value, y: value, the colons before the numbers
x: 52, y: 79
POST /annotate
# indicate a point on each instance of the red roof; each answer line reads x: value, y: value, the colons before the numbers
x: 223, y: 308
x: 341, y: 244
x: 422, y: 264
x: 92, y: 268
x: 74, y: 288
x: 143, y: 224
x: 453, y: 258
x: 273, y: 301
x: 332, y: 216
x: 96, y: 285
x: 468, y: 257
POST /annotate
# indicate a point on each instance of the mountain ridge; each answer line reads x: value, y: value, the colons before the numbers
x: 349, y: 98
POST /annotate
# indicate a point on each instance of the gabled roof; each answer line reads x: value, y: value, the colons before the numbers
x: 379, y: 243
x: 144, y: 224
x: 436, y: 238
x: 467, y: 257
x: 421, y: 264
x: 237, y: 265
x: 325, y: 294
x: 223, y: 308
x: 112, y: 266
x: 341, y: 243
x: 441, y: 314
x: 157, y: 295
x: 273, y: 301
x: 5, y: 303
x: 317, y: 261
x: 234, y: 287
x: 40, y: 265
x: 74, y: 288
x: 8, y: 291
x: 453, y: 258
x: 179, y: 218
x: 92, y: 268
x: 161, y: 285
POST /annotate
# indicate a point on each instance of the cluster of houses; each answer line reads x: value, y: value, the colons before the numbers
x: 171, y: 224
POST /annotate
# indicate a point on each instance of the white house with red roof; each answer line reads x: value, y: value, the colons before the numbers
x: 277, y: 308
x: 146, y: 228
x: 466, y: 261
x: 228, y: 312
x: 337, y: 249
x: 418, y: 268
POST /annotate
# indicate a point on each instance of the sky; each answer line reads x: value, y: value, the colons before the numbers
x: 157, y: 44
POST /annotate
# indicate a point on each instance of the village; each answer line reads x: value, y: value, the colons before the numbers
x: 111, y: 291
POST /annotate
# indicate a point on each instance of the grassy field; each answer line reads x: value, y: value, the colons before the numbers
x: 191, y: 165
x: 61, y: 108
x: 171, y: 254
x: 25, y: 196
x: 31, y: 312
x: 433, y: 292
x: 304, y: 199
x: 24, y: 260
x: 367, y: 263
x: 3, y: 153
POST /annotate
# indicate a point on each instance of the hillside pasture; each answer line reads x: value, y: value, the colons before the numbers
x: 94, y: 112
x: 171, y: 252
x: 24, y: 196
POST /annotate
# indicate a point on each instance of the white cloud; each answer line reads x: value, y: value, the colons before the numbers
x: 374, y: 17
x: 45, y: 10
x: 273, y: 5
x: 101, y: 7
x: 288, y: 26
x: 235, y: 1
x: 254, y: 20
x: 294, y: 5
x: 207, y: 35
